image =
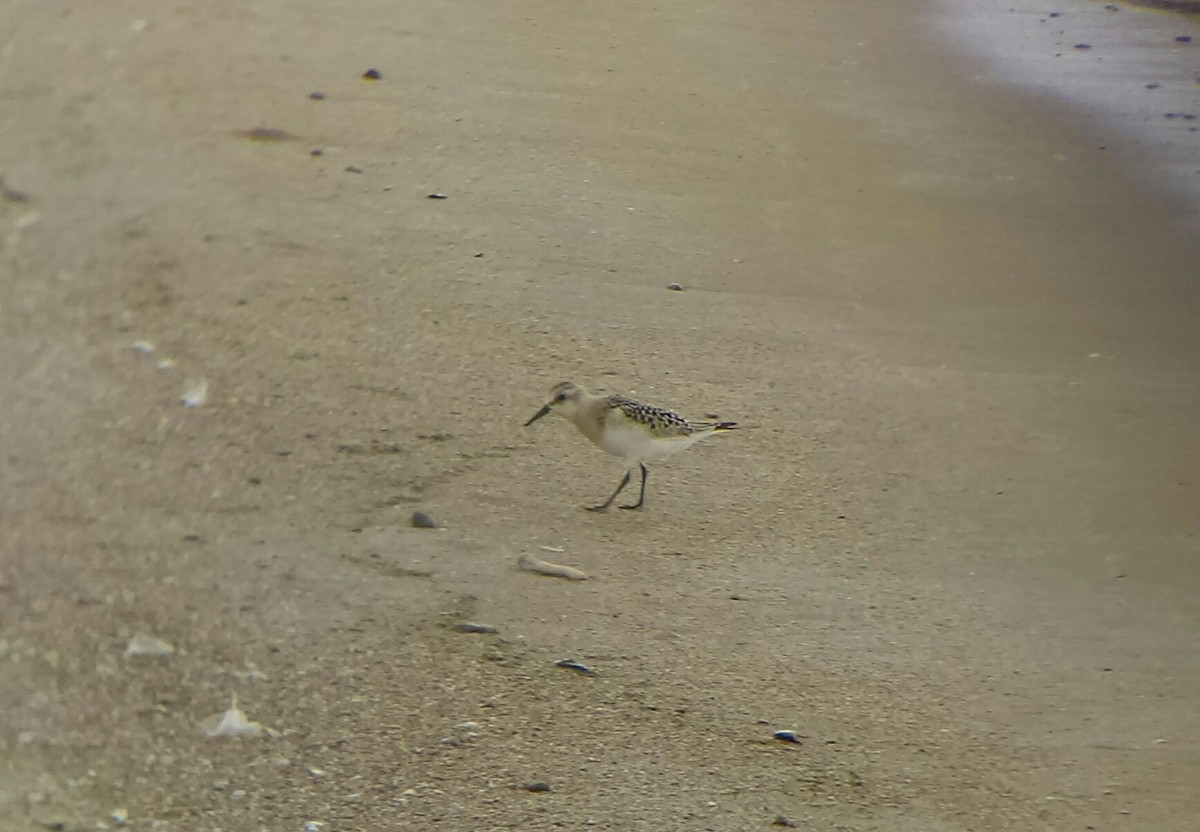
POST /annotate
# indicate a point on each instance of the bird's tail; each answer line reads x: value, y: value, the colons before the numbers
x: 706, y: 428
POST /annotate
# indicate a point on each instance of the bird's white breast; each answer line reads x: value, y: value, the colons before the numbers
x: 633, y: 443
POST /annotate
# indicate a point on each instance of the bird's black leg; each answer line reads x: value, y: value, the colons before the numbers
x: 604, y: 506
x: 642, y: 497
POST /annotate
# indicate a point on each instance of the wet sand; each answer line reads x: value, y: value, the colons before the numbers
x: 1128, y: 73
x: 953, y: 545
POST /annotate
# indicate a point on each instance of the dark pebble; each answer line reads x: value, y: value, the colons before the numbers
x: 192, y: 537
x: 784, y: 821
x: 421, y: 520
x: 536, y: 787
x: 1113, y: 8
x: 787, y: 736
x: 371, y: 75
x: 435, y: 196
x: 353, y: 169
x: 469, y: 627
x: 1184, y: 39
x: 255, y: 480
x: 267, y: 134
x: 12, y: 194
x: 578, y: 667
x: 316, y: 152
x: 1153, y: 86
x: 1083, y: 46
x: 317, y: 96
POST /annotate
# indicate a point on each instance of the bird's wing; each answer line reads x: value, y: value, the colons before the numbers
x: 662, y: 424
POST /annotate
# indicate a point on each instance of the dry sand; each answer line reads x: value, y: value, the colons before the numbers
x: 954, y: 546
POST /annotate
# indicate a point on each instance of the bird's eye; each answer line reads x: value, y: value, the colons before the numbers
x: 561, y: 397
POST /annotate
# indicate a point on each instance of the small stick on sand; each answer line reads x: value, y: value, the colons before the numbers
x: 541, y: 567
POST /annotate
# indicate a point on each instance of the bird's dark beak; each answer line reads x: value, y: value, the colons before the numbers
x: 545, y: 409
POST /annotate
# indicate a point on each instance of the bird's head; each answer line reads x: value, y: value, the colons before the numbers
x: 565, y: 398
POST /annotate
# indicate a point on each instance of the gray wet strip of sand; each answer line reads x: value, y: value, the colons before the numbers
x: 1129, y: 74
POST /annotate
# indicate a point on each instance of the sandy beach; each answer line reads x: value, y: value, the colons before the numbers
x: 953, y: 546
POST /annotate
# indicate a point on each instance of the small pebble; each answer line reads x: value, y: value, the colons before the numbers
x: 12, y: 194
x: 787, y: 736
x: 536, y: 787
x: 571, y: 664
x: 421, y: 520
x: 316, y: 151
x: 470, y: 627
x: 675, y: 287
x: 435, y: 195
x: 267, y: 134
x: 353, y: 169
x: 1083, y: 46
x: 1184, y: 39
x: 784, y: 821
x: 371, y: 75
x: 317, y: 96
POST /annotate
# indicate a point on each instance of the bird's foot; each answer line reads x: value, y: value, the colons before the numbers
x: 600, y: 509
x: 634, y: 507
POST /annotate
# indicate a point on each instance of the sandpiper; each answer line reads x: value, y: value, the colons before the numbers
x: 633, y: 431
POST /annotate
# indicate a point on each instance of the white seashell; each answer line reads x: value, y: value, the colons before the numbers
x: 144, y: 645
x: 231, y: 723
x: 195, y: 393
